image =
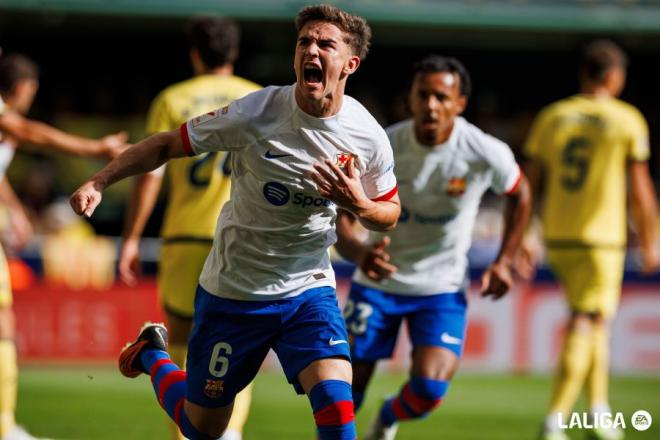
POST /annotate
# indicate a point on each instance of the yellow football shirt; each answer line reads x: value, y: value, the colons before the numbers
x: 583, y: 144
x: 198, y: 186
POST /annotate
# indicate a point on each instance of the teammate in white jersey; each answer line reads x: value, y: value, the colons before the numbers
x: 418, y: 271
x: 297, y: 153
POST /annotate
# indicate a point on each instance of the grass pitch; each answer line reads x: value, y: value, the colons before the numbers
x: 94, y: 403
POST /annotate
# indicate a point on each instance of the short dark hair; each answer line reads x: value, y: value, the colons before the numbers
x: 437, y: 63
x: 15, y: 67
x: 358, y: 32
x: 217, y: 39
x: 598, y: 57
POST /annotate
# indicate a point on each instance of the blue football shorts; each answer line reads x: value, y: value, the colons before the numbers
x: 230, y: 340
x: 373, y: 319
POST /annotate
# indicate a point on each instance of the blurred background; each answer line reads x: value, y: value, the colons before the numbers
x: 102, y: 62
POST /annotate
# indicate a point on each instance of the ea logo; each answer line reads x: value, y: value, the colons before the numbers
x: 641, y: 420
x: 276, y: 193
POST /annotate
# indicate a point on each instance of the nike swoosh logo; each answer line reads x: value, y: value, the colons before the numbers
x: 334, y: 342
x: 270, y: 155
x: 448, y: 339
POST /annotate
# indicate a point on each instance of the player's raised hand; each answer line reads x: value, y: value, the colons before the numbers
x: 113, y: 145
x: 129, y: 261
x: 345, y: 189
x: 374, y: 262
x: 86, y: 198
x: 497, y: 280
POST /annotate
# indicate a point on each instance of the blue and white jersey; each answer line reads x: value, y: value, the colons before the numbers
x: 440, y: 189
x: 6, y: 148
x: 273, y: 236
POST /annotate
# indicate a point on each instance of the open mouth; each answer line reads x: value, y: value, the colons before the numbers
x: 312, y: 74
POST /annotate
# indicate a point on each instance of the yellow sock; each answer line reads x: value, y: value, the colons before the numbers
x: 178, y: 353
x: 241, y: 409
x: 8, y: 379
x: 597, y: 379
x: 573, y: 367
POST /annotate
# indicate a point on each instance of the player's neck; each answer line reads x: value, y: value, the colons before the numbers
x: 596, y: 90
x: 224, y: 70
x: 325, y: 107
x: 433, y: 139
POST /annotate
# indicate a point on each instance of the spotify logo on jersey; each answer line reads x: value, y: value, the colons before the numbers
x: 276, y: 193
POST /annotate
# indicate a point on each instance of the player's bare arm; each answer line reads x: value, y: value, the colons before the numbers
x: 27, y: 131
x: 143, y: 200
x: 21, y: 228
x: 345, y: 189
x: 373, y: 258
x: 144, y: 156
x: 498, y: 279
x: 531, y: 248
x: 645, y: 212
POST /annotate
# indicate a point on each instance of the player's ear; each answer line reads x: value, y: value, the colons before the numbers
x: 461, y: 103
x: 351, y: 65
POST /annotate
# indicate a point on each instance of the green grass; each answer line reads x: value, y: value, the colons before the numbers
x: 92, y: 403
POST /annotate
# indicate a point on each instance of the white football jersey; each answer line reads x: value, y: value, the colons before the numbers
x: 273, y: 235
x: 440, y: 190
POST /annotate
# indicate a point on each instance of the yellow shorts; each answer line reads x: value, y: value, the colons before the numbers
x: 181, y: 263
x: 5, y: 282
x: 591, y: 277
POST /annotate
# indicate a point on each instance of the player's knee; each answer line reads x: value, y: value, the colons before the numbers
x: 332, y: 403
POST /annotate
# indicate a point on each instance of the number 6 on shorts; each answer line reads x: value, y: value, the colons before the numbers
x: 219, y: 364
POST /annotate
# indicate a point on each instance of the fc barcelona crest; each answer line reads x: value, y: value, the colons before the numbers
x: 343, y: 158
x: 214, y: 388
x: 455, y: 187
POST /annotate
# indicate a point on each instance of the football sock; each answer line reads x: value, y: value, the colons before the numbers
x: 8, y: 378
x: 241, y: 410
x: 416, y: 400
x: 332, y: 404
x: 597, y: 378
x: 358, y: 398
x: 572, y: 371
x: 178, y: 354
x: 169, y: 382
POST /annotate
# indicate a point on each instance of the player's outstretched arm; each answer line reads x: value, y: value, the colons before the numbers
x: 27, y: 131
x: 143, y: 199
x: 498, y: 279
x: 645, y: 212
x: 373, y: 259
x: 142, y: 157
x: 345, y: 189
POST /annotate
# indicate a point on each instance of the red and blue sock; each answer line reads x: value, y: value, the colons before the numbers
x: 416, y: 400
x: 169, y: 382
x: 332, y: 404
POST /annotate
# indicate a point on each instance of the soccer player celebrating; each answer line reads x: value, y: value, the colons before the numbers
x: 297, y: 152
x: 198, y: 188
x: 580, y: 149
x: 19, y: 81
x: 418, y: 271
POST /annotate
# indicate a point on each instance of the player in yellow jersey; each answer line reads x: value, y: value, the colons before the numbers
x: 19, y: 81
x: 198, y: 187
x: 582, y: 150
